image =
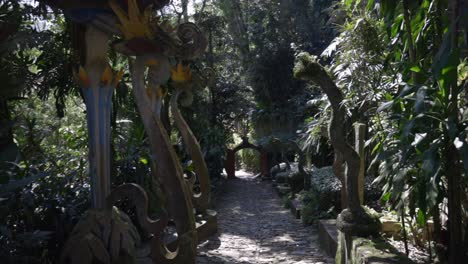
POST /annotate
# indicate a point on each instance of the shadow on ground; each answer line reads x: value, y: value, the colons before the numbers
x: 255, y: 228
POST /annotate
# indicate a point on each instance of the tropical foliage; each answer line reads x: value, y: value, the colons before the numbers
x: 401, y: 66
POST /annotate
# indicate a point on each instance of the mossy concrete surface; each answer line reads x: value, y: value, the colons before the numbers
x: 328, y: 235
x: 370, y: 251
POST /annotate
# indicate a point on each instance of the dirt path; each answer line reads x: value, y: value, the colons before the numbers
x: 255, y: 228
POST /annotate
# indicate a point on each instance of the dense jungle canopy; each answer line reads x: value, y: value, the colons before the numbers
x: 295, y: 79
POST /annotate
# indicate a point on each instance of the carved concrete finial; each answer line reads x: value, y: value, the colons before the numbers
x: 193, y: 41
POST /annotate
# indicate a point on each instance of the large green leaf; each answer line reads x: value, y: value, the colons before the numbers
x: 420, y: 97
x: 370, y: 5
x: 387, y: 11
x: 399, y: 182
x: 421, y: 218
x: 348, y: 3
x: 441, y: 59
x: 407, y: 89
x: 385, y: 106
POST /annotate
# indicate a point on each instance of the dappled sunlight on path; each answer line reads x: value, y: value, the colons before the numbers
x: 255, y: 228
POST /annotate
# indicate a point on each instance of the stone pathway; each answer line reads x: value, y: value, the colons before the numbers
x: 255, y: 228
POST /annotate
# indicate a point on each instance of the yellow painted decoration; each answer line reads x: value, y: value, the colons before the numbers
x: 151, y: 62
x: 134, y: 24
x: 106, y: 77
x: 149, y: 91
x: 82, y: 77
x: 118, y: 78
x: 161, y: 92
x: 181, y: 73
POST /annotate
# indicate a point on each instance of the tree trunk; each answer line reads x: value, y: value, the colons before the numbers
x: 338, y: 170
x: 453, y: 158
x: 8, y: 149
x: 185, y: 10
x: 409, y: 33
x: 233, y: 12
x: 6, y: 134
x: 454, y: 205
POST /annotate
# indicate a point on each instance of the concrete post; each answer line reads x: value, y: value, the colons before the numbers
x: 360, y: 132
x: 230, y: 164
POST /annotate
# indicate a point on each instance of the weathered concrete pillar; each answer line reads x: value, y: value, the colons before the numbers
x: 360, y: 132
x: 97, y: 82
x: 230, y: 164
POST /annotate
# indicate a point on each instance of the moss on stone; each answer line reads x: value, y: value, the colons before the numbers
x: 339, y: 250
x: 370, y: 251
x: 307, y: 67
x: 376, y: 251
x: 361, y: 223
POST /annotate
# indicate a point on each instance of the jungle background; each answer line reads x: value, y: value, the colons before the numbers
x: 401, y: 65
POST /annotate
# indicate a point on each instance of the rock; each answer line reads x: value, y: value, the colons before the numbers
x: 295, y: 178
x: 283, y: 189
x: 362, y: 223
x: 282, y: 177
x: 291, y: 176
x: 278, y: 168
x: 390, y: 226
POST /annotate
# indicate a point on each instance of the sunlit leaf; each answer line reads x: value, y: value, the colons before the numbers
x: 408, y: 89
x: 419, y: 137
x: 370, y: 5
x: 415, y: 69
x: 408, y: 127
x: 399, y: 182
x: 420, y: 97
x: 348, y: 3
x: 385, y: 106
x: 386, y: 197
x: 421, y: 218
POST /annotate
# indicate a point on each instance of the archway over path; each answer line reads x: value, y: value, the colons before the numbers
x: 230, y: 163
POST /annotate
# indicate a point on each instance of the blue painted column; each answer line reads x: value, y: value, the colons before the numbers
x: 98, y: 82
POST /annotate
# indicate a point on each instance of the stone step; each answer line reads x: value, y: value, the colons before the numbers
x: 283, y: 189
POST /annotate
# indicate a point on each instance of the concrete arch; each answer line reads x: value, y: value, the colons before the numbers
x: 230, y: 162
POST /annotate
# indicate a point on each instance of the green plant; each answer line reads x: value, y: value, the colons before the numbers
x: 312, y: 209
x: 250, y: 160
